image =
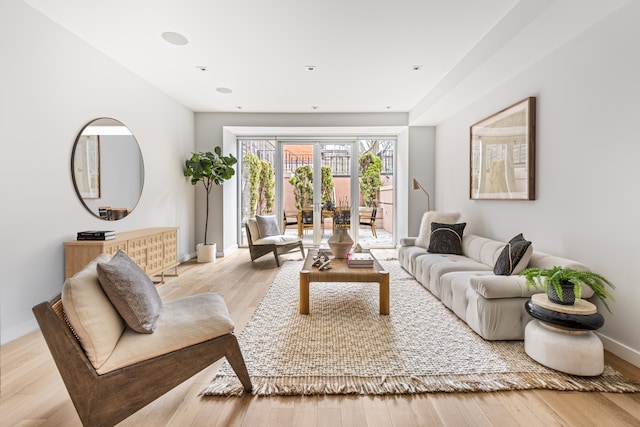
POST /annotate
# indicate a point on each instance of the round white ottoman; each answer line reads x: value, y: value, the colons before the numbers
x: 572, y: 352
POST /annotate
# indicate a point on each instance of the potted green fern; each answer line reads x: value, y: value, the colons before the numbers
x: 210, y: 168
x: 564, y: 285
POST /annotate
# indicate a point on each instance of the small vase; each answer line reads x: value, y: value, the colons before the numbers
x: 568, y: 296
x: 340, y: 243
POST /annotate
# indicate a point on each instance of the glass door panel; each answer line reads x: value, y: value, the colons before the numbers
x: 297, y: 191
x: 376, y: 198
x: 257, y: 181
x: 337, y: 187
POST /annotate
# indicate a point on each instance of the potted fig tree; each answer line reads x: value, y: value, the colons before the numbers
x: 210, y: 168
x: 564, y: 285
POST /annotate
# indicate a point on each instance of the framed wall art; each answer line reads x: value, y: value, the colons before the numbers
x: 502, y: 154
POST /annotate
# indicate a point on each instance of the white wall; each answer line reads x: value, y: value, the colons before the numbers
x: 52, y: 84
x: 587, y: 164
x: 422, y: 167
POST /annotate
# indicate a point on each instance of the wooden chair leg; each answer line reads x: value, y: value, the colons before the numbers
x: 373, y: 230
x: 275, y: 254
x: 235, y: 359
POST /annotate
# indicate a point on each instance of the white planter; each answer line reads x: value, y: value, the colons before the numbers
x: 206, y: 253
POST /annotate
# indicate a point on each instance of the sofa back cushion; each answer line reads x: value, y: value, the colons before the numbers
x: 482, y: 249
x: 425, y: 225
x: 94, y: 319
x: 254, y: 231
x: 267, y: 225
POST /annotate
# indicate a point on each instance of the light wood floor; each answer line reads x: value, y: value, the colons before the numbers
x: 33, y: 394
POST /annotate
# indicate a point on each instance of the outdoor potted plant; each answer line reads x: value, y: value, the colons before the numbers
x: 370, y: 182
x: 564, y: 285
x: 210, y: 168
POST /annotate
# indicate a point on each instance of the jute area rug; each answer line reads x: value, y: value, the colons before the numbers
x: 346, y: 347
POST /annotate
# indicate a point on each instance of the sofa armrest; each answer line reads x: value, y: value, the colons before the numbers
x: 408, y: 241
x: 493, y: 287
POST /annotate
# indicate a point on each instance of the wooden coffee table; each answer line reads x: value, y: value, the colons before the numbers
x: 341, y: 272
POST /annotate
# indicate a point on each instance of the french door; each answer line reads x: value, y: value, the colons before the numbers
x: 314, y: 180
x: 355, y: 188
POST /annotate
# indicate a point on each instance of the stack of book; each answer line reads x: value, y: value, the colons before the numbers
x: 96, y: 235
x: 360, y: 260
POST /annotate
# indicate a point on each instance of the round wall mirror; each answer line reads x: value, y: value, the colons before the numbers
x: 107, y: 169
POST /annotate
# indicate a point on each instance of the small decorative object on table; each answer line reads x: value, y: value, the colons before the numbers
x: 322, y: 260
x: 359, y: 249
x: 340, y: 243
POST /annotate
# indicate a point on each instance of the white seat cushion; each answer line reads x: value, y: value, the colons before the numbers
x: 277, y: 240
x: 182, y: 323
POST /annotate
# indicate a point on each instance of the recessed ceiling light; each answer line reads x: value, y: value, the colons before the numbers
x: 416, y: 67
x: 314, y: 107
x: 201, y: 67
x: 175, y: 38
x: 388, y: 107
x: 239, y: 107
x: 310, y: 67
x: 223, y: 90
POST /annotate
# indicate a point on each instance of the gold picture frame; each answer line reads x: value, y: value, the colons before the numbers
x: 502, y: 154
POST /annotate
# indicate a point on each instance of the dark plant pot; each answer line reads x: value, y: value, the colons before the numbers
x: 568, y: 296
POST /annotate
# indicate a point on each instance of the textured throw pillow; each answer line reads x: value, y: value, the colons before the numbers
x: 514, y: 257
x: 267, y: 225
x: 425, y: 225
x: 446, y: 238
x: 94, y: 319
x: 131, y: 291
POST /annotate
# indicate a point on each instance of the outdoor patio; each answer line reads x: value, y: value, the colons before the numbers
x: 367, y: 240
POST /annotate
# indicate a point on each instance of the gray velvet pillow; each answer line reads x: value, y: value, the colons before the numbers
x: 131, y: 292
x: 267, y: 225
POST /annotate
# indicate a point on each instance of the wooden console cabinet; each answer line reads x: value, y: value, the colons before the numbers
x: 154, y: 249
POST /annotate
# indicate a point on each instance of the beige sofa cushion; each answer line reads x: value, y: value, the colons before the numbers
x: 183, y: 322
x: 91, y: 315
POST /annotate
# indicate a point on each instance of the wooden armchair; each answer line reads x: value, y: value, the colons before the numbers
x: 277, y: 245
x: 106, y: 399
x: 305, y: 220
x: 370, y: 221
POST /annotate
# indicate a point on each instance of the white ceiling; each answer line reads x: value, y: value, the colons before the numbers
x: 364, y: 50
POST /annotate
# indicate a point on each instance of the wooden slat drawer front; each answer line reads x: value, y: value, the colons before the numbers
x: 170, y: 239
x: 112, y: 249
x: 155, y: 251
x: 137, y: 251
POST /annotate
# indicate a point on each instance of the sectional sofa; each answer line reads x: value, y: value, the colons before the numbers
x: 491, y: 304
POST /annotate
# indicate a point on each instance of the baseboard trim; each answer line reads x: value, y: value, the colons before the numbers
x: 621, y: 350
x: 228, y: 251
